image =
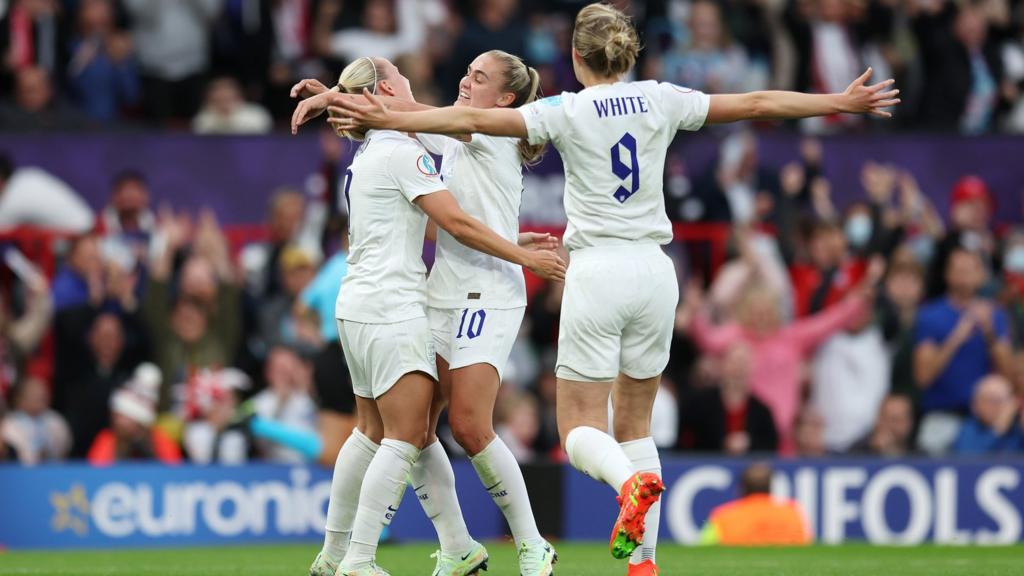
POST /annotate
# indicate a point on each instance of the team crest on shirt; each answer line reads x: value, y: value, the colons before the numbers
x: 425, y: 164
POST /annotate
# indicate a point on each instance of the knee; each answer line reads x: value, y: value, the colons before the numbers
x: 374, y: 433
x: 471, y: 433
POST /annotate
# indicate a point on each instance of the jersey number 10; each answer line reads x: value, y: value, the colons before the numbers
x: 624, y: 170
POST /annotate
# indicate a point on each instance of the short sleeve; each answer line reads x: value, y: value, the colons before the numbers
x: 545, y: 119
x: 434, y: 143
x: 686, y: 109
x: 414, y: 171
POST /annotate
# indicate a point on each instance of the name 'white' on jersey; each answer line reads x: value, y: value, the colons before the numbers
x: 485, y: 175
x: 613, y: 139
x: 387, y: 279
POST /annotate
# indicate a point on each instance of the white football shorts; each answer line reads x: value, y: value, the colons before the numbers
x: 379, y: 354
x: 467, y: 336
x: 618, y: 313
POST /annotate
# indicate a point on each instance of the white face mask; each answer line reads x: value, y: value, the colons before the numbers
x: 858, y: 230
x: 1013, y: 260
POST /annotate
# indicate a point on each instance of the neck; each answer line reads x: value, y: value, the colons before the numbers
x: 590, y: 79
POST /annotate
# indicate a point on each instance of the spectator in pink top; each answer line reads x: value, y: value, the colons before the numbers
x: 779, y: 350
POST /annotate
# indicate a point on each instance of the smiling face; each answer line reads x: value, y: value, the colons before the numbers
x: 483, y: 85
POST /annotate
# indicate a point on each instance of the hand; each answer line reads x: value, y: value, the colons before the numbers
x: 308, y: 87
x: 349, y: 114
x: 911, y: 199
x: 737, y: 443
x: 861, y: 99
x: 538, y: 241
x: 1006, y: 416
x: 548, y: 265
x: 982, y: 312
x: 310, y: 108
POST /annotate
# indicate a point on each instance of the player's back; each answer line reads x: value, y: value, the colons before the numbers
x: 386, y: 280
x: 613, y: 139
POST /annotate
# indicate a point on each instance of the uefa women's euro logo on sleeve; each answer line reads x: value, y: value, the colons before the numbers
x: 425, y: 164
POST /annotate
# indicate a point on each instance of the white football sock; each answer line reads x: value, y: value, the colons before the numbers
x: 350, y: 467
x: 503, y: 479
x: 599, y: 456
x: 434, y: 482
x: 643, y: 453
x: 383, y: 486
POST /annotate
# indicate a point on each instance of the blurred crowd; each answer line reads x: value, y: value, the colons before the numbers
x: 880, y: 328
x: 225, y: 66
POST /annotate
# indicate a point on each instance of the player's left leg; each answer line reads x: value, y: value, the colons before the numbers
x: 433, y: 480
x: 633, y: 401
x: 646, y: 340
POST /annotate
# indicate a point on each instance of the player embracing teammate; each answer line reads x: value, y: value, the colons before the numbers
x: 615, y: 335
x: 392, y: 188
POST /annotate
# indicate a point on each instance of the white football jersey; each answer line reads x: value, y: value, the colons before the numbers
x: 486, y: 177
x: 387, y: 279
x: 613, y: 139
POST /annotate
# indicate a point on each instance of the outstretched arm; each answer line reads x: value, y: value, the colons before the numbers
x: 323, y: 97
x: 778, y: 105
x: 442, y: 208
x: 374, y: 113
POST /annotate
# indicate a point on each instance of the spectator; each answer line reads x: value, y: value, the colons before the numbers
x: 829, y: 275
x: 739, y: 189
x: 494, y: 26
x: 33, y: 197
x: 102, y: 74
x: 849, y: 378
x: 711, y: 62
x: 757, y: 518
x: 284, y: 226
x: 287, y: 400
x: 389, y: 29
x: 127, y: 220
x: 44, y: 432
x: 33, y: 35
x: 172, y: 39
x: 810, y: 433
x: 893, y: 433
x: 779, y: 350
x: 201, y: 326
x: 211, y: 435
x: 336, y: 403
x: 132, y: 434
x: 277, y: 323
x: 80, y: 280
x: 994, y: 425
x: 20, y: 335
x: 727, y: 418
x: 225, y: 111
x: 958, y: 340
x: 971, y: 209
x: 897, y: 310
x: 36, y: 106
x: 963, y: 69
x: 759, y: 262
x: 86, y: 395
x: 517, y: 423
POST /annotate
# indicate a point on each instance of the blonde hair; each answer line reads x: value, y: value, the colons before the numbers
x: 524, y: 82
x: 606, y: 40
x: 360, y: 74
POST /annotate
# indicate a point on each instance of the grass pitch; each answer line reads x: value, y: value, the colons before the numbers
x: 574, y: 560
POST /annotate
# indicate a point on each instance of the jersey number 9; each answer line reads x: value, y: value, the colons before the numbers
x: 624, y: 170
